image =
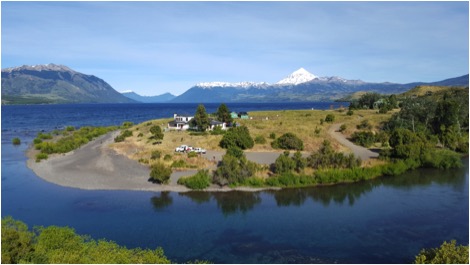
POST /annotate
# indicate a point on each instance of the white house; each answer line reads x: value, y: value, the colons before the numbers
x: 215, y: 123
x: 180, y: 122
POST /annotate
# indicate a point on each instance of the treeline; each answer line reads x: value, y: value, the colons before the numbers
x: 53, y: 244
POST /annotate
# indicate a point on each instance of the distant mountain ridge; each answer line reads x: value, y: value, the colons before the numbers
x: 51, y: 83
x: 298, y: 86
x: 148, y: 99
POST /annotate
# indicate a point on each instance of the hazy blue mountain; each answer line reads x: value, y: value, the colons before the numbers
x: 148, y: 99
x: 55, y: 84
x: 298, y: 86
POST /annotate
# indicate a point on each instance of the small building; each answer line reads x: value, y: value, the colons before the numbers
x: 215, y: 123
x: 239, y: 115
x: 234, y: 115
x: 180, y: 122
x: 243, y: 115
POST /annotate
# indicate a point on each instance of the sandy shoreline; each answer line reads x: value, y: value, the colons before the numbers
x: 95, y: 166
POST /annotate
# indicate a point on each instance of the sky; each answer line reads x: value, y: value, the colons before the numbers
x: 158, y: 47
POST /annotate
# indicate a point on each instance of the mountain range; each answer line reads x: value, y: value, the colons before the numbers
x: 298, y: 86
x: 59, y: 84
x: 53, y: 83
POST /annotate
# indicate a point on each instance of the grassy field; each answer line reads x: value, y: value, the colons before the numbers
x: 306, y: 124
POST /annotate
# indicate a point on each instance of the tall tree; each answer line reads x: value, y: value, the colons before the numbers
x: 223, y: 114
x: 201, y: 119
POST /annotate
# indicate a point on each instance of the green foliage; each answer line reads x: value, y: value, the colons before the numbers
x: 342, y: 128
x: 201, y: 119
x: 127, y: 124
x: 70, y: 128
x: 237, y: 136
x: 217, y: 131
x: 288, y: 141
x: 167, y: 157
x: 441, y: 158
x: 330, y: 118
x: 192, y: 154
x: 260, y: 139
x: 17, y: 241
x: 41, y: 156
x: 180, y: 163
x: 366, y: 101
x: 233, y: 170
x: 157, y: 133
x: 223, y: 114
x: 37, y: 141
x: 447, y: 253
x: 235, y: 152
x: 62, y: 245
x: 284, y: 164
x: 326, y: 157
x: 44, y: 136
x: 350, y: 112
x: 156, y: 154
x: 272, y: 135
x: 160, y: 173
x: 364, y: 125
x: 16, y: 141
x: 364, y: 138
x: 199, y: 181
x: 121, y: 137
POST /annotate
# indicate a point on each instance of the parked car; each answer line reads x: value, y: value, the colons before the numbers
x: 199, y: 150
x: 183, y: 148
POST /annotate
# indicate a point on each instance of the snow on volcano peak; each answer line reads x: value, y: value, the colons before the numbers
x: 298, y: 77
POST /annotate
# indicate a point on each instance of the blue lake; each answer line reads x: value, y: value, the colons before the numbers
x: 387, y: 220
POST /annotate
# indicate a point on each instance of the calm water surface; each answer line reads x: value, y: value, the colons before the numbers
x: 381, y: 221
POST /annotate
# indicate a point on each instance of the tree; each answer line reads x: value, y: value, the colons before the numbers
x: 284, y: 164
x: 330, y: 118
x: 223, y: 114
x: 160, y: 173
x: 201, y: 119
x: 232, y: 170
x: 157, y: 132
x: 447, y: 253
x: 288, y: 141
x: 237, y: 136
x: 16, y: 241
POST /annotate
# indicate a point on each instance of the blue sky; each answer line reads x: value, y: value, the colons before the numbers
x: 158, y: 47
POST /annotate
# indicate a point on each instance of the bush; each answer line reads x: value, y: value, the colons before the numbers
x: 160, y: 173
x: 179, y: 164
x: 272, y: 135
x: 192, y: 154
x: 350, y: 113
x: 342, y: 128
x: 365, y: 139
x: 239, y: 137
x: 232, y: 170
x: 156, y: 154
x: 326, y: 157
x: 235, y: 152
x: 330, y: 118
x: 124, y: 134
x: 167, y: 157
x: 37, y: 141
x: 127, y: 124
x: 199, y: 181
x: 41, y: 156
x: 16, y: 141
x: 288, y: 141
x: 284, y: 164
x: 447, y: 253
x: 260, y: 139
x: 442, y: 159
x: 157, y: 133
x: 365, y: 124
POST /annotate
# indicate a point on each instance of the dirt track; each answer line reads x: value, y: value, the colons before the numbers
x: 359, y: 151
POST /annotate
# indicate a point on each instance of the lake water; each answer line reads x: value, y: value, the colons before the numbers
x: 387, y: 220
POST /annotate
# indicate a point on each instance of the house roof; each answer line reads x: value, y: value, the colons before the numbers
x: 214, y: 122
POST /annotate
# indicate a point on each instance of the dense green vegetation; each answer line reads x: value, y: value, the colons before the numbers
x: 16, y: 141
x: 447, y: 253
x: 62, y: 245
x: 288, y: 141
x: 67, y: 140
x: 223, y: 114
x: 201, y: 119
x: 160, y: 173
x: 237, y: 137
x: 199, y: 181
x: 234, y: 168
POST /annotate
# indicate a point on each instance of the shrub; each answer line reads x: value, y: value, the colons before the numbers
x: 232, y: 170
x: 140, y: 135
x: 70, y: 128
x: 447, y: 253
x: 260, y: 139
x: 157, y: 133
x: 330, y: 118
x: 288, y: 141
x: 326, y: 157
x: 192, y: 154
x: 199, y: 181
x: 45, y: 136
x: 365, y: 124
x: 179, y: 164
x: 350, y: 113
x: 16, y: 141
x: 41, y: 156
x: 235, y: 152
x: 342, y: 128
x: 272, y: 135
x: 442, y: 159
x: 167, y: 157
x: 124, y: 134
x: 127, y: 124
x: 365, y: 139
x: 160, y: 173
x: 37, y: 141
x: 156, y: 154
x: 238, y: 136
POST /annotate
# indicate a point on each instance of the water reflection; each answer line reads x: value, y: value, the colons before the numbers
x: 242, y: 202
x: 161, y: 202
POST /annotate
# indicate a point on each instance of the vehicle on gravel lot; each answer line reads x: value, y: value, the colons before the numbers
x: 183, y: 148
x: 199, y: 150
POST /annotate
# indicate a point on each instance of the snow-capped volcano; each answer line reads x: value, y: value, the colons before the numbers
x: 298, y: 77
